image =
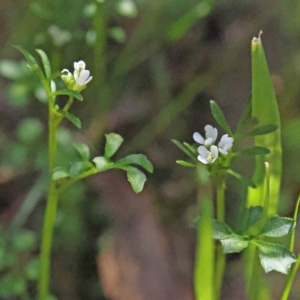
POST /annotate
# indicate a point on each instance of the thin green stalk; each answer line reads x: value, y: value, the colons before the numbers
x: 65, y: 109
x: 221, y: 259
x: 50, y: 214
x: 254, y: 286
x: 290, y: 280
x: 292, y: 243
x: 292, y: 274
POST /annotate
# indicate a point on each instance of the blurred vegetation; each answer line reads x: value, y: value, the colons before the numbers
x: 156, y: 64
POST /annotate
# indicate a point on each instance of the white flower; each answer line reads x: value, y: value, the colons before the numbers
x: 208, y: 157
x: 225, y: 144
x: 81, y: 75
x: 79, y: 79
x: 211, y: 135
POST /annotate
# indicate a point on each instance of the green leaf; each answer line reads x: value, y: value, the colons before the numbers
x: 262, y: 130
x: 46, y: 62
x: 185, y: 163
x: 234, y: 243
x: 113, y: 143
x: 265, y: 112
x: 79, y: 167
x: 256, y: 150
x: 184, y: 149
x: 32, y: 269
x: 59, y: 173
x: 12, y: 285
x: 7, y: 259
x: 83, y: 150
x: 246, y: 115
x: 136, y: 178
x: 136, y: 159
x: 102, y: 163
x: 243, y: 179
x: 76, y: 121
x: 34, y: 66
x: 220, y: 230
x: 277, y: 227
x: 205, y: 258
x: 250, y: 217
x: 67, y: 92
x: 193, y: 149
x: 274, y: 257
x: 23, y: 240
x: 219, y: 117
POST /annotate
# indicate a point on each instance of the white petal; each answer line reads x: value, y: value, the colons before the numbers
x: 223, y: 151
x: 76, y: 66
x: 203, y: 151
x: 215, y: 134
x: 90, y: 78
x: 65, y: 70
x: 214, y: 151
x: 209, y: 130
x: 84, y: 75
x: 208, y: 141
x: 202, y: 159
x: 198, y: 138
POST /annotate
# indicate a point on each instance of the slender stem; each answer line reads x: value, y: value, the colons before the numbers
x: 221, y: 260
x: 65, y: 109
x: 50, y: 214
x: 49, y: 221
x: 254, y: 285
x: 292, y: 243
x: 290, y: 280
x: 292, y: 274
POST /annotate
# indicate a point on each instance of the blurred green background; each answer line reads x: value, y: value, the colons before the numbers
x: 156, y: 64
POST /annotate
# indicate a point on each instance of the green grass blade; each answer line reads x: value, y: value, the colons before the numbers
x: 265, y: 112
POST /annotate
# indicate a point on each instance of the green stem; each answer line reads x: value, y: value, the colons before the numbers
x: 65, y: 109
x: 292, y: 244
x: 221, y: 260
x: 255, y: 283
x: 290, y: 280
x: 50, y: 214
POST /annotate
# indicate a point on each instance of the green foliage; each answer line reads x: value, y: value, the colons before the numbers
x: 219, y: 117
x: 113, y: 143
x: 275, y: 257
x: 70, y: 93
x: 14, y: 247
x: 272, y: 256
x: 76, y: 121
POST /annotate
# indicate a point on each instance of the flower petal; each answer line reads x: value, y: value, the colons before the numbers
x: 223, y: 151
x: 208, y: 141
x: 214, y: 151
x: 203, y: 151
x: 202, y: 159
x: 198, y: 138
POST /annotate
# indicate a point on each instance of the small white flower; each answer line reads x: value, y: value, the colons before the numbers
x: 81, y: 75
x: 225, y: 144
x: 211, y: 135
x: 208, y: 157
x: 79, y: 79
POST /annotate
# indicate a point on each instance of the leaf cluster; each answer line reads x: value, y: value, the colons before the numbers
x: 84, y: 167
x: 272, y: 256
